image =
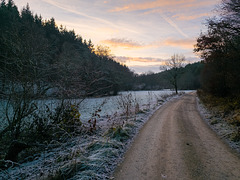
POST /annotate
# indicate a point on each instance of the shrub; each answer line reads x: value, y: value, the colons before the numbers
x: 119, y: 133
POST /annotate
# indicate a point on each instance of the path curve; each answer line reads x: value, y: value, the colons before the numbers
x: 177, y: 144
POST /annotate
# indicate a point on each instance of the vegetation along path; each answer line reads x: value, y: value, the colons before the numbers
x: 177, y: 144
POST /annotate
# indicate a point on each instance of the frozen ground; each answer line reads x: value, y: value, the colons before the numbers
x: 219, y: 125
x: 94, y: 156
x: 111, y: 104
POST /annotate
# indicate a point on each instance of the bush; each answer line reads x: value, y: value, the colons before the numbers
x: 119, y: 133
x: 43, y: 128
x: 227, y: 108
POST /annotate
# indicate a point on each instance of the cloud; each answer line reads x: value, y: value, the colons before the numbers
x: 178, y: 9
x: 94, y: 18
x: 186, y: 43
x: 68, y: 9
x: 201, y: 3
x: 167, y: 5
x: 174, y: 25
x: 145, y: 69
x: 181, y: 43
x: 141, y: 64
x: 125, y: 43
x: 139, y: 61
x: 150, y: 5
x: 154, y: 7
x: 146, y: 64
x: 190, y: 17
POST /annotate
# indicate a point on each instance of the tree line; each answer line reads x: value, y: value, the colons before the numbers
x: 218, y: 72
x: 38, y: 58
x: 185, y: 77
x: 219, y: 49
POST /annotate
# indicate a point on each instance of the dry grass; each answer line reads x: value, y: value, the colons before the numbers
x: 225, y: 108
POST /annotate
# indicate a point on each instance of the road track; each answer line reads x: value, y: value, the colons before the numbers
x: 177, y: 144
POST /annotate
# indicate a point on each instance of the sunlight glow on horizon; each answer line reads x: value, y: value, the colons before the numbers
x: 134, y: 30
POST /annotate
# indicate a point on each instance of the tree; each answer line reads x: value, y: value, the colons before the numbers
x: 219, y: 48
x: 38, y: 60
x: 103, y: 51
x: 23, y: 71
x: 174, y: 69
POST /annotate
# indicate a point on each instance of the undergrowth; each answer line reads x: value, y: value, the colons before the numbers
x: 67, y: 148
x: 225, y: 108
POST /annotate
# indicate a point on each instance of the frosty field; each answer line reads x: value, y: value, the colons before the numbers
x: 89, y: 105
x: 109, y: 105
x: 95, y: 155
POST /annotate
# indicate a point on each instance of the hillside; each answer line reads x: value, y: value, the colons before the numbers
x: 189, y: 79
x: 38, y: 55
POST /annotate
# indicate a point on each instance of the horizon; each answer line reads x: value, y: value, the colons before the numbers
x: 140, y: 34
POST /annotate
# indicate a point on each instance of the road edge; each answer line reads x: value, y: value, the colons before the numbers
x: 222, y: 128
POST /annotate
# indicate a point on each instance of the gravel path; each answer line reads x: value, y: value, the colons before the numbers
x: 177, y: 144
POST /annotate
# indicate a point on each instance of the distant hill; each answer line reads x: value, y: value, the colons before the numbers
x: 189, y: 79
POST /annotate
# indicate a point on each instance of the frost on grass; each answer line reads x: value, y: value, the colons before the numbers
x: 95, y: 153
x: 219, y: 125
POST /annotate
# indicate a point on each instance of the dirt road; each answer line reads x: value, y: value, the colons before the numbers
x: 177, y: 144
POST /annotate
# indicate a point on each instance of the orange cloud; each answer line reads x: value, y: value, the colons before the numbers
x: 151, y: 5
x: 174, y: 6
x: 190, y: 17
x: 199, y: 3
x: 125, y: 43
x: 182, y: 43
x: 139, y: 61
x: 146, y: 64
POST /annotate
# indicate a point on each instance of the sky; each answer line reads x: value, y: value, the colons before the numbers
x: 141, y: 34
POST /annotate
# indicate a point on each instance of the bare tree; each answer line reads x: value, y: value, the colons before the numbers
x: 174, y: 69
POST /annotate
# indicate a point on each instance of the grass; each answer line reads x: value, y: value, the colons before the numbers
x: 92, y: 153
x: 225, y: 108
x: 119, y: 133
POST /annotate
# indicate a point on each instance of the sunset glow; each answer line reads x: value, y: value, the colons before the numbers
x: 141, y: 34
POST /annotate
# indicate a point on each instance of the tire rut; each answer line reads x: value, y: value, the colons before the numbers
x: 177, y: 144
